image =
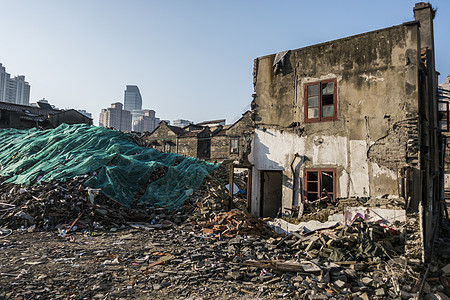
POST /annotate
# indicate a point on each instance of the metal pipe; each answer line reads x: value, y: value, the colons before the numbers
x: 293, y: 177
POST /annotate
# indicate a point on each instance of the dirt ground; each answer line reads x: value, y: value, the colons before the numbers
x: 98, y: 265
x: 174, y: 263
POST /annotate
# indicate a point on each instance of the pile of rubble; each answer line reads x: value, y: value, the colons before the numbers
x: 181, y: 262
x: 213, y: 242
x: 213, y: 210
x: 70, y: 206
x: 234, y: 222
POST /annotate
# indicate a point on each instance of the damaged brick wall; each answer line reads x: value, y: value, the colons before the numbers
x: 242, y: 130
x: 399, y: 147
x: 220, y: 147
x: 162, y: 139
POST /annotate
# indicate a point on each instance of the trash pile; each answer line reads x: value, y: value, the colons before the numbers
x: 78, y: 176
x: 359, y: 242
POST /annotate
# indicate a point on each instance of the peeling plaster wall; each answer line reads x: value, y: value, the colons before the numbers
x: 375, y: 134
x: 273, y: 149
x: 359, y: 169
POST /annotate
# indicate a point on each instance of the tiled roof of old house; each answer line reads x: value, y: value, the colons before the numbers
x: 28, y: 110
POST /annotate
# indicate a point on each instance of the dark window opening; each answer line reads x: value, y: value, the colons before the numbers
x: 444, y: 120
x: 167, y: 147
x: 320, y: 183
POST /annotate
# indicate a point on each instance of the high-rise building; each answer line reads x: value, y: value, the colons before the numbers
x: 135, y: 114
x: 181, y: 122
x: 115, y: 117
x: 13, y: 90
x: 22, y: 90
x: 132, y: 98
x: 146, y: 122
x: 132, y: 102
x: 4, y: 77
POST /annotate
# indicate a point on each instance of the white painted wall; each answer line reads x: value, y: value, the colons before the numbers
x: 274, y: 150
x: 359, y: 169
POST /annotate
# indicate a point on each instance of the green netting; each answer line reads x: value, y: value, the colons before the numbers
x: 125, y: 169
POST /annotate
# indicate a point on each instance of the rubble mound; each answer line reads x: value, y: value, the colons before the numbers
x: 112, y: 161
x: 70, y: 205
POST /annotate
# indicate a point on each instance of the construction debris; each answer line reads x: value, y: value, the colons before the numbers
x: 63, y: 239
x: 183, y: 262
x: 226, y: 250
x: 68, y: 206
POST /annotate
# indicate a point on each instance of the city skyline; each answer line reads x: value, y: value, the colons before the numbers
x: 190, y: 60
x: 13, y: 89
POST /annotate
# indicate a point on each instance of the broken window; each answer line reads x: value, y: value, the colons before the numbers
x: 320, y: 183
x: 444, y: 120
x: 234, y: 145
x: 320, y: 104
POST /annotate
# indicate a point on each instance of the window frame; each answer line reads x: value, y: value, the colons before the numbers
x: 319, y: 181
x: 167, y: 147
x: 236, y: 139
x: 446, y: 115
x: 320, y: 118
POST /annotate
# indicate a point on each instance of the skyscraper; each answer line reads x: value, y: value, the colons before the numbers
x: 132, y: 98
x: 13, y: 90
x: 181, y: 122
x: 115, y: 117
x: 4, y: 77
x: 146, y: 121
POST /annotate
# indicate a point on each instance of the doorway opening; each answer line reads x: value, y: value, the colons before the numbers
x: 271, y: 193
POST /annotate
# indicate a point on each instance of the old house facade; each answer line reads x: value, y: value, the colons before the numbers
x: 212, y: 141
x: 193, y: 141
x: 354, y: 117
x: 232, y: 141
x: 23, y: 116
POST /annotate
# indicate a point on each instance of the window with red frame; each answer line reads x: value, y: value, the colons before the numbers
x: 320, y: 101
x: 320, y: 183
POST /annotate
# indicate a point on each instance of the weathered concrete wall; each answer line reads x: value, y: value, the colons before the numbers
x: 374, y: 135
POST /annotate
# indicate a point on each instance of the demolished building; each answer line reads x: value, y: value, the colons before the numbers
x: 231, y: 141
x: 192, y: 140
x: 354, y: 117
x: 211, y: 141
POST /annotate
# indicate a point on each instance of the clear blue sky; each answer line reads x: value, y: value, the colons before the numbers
x: 191, y: 59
